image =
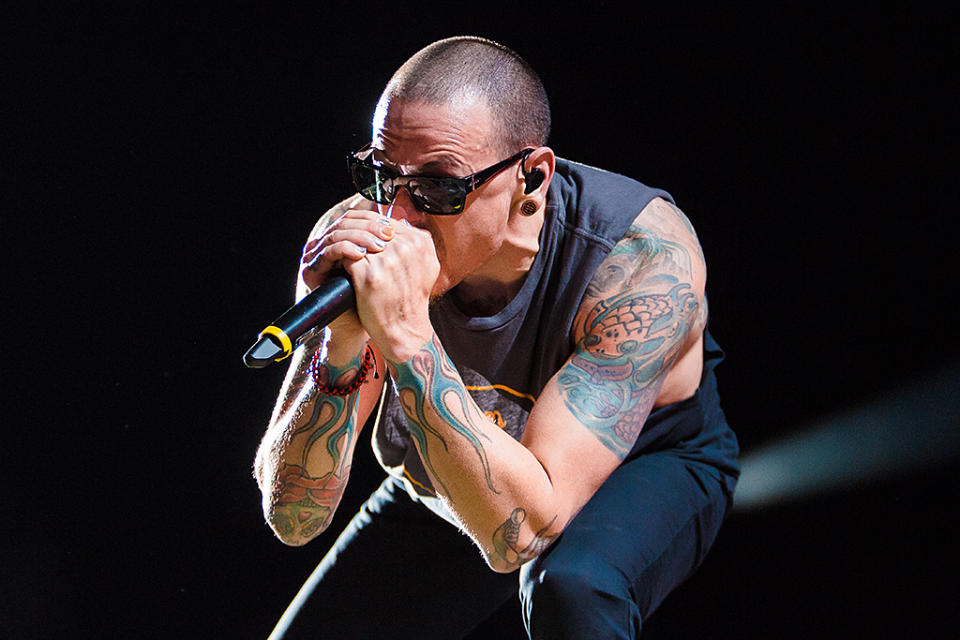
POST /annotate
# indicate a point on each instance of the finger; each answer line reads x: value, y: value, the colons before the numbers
x: 353, y: 230
x: 360, y: 237
x: 361, y: 241
x: 372, y: 222
x: 337, y: 252
x: 363, y: 219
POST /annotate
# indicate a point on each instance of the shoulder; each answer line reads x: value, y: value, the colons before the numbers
x: 661, y: 234
x: 600, y: 204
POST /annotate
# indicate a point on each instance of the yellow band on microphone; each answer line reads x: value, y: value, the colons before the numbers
x: 284, y: 339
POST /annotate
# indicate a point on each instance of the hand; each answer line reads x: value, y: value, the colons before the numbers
x: 349, y: 239
x: 393, y: 287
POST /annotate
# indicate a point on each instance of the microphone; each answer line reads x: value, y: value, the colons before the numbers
x: 333, y: 297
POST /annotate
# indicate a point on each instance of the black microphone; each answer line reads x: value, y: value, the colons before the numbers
x: 318, y: 308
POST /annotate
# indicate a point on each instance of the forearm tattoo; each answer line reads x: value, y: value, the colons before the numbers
x: 302, y: 504
x: 635, y: 329
x: 435, y: 402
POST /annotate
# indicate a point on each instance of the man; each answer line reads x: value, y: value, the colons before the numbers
x: 541, y: 325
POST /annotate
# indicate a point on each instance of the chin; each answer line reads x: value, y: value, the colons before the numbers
x: 440, y: 289
x: 445, y: 282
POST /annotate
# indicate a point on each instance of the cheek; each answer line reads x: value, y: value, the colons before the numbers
x: 456, y: 262
x: 465, y: 245
x: 448, y: 268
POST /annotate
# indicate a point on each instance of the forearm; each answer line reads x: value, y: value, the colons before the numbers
x: 496, y: 486
x: 303, y: 462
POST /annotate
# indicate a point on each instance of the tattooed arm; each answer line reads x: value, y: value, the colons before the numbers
x: 635, y: 334
x: 303, y: 462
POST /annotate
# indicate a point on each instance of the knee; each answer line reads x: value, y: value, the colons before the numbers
x: 565, y: 600
x: 561, y: 585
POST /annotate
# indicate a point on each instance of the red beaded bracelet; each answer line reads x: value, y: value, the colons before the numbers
x: 368, y: 362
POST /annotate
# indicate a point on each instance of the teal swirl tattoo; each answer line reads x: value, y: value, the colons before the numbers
x: 612, y: 379
x: 645, y: 247
x: 433, y: 397
x: 324, y: 415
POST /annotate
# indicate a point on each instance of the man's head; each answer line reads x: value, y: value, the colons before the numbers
x: 456, y: 108
x: 467, y: 69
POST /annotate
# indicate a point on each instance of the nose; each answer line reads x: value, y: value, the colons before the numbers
x: 403, y: 209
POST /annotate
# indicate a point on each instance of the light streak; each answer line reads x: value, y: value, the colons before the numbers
x: 915, y: 427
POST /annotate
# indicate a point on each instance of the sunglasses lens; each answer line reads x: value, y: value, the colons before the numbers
x: 369, y: 182
x: 438, y: 196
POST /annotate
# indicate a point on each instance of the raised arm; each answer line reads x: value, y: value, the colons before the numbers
x: 643, y: 312
x: 304, y: 459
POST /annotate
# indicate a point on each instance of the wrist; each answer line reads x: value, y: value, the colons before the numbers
x: 343, y: 350
x: 331, y: 380
x: 403, y: 345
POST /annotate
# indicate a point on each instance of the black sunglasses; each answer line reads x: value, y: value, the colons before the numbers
x: 439, y: 196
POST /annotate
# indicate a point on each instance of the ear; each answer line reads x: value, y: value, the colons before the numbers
x: 538, y: 170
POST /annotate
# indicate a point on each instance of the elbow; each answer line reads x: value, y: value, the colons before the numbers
x: 295, y: 525
x: 296, y: 507
x: 291, y: 541
x: 508, y: 560
x: 506, y: 553
x: 501, y: 566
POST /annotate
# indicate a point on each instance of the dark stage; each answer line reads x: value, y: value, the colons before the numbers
x: 162, y: 166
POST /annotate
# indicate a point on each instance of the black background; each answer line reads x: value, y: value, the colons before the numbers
x: 163, y: 164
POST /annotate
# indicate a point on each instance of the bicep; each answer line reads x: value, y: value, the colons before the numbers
x: 590, y: 414
x: 643, y: 309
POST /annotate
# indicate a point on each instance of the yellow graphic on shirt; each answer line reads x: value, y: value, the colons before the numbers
x: 426, y: 490
x: 502, y: 387
x: 497, y: 419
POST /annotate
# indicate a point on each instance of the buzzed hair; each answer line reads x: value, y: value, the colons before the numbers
x: 469, y: 66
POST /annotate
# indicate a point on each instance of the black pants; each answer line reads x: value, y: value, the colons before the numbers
x: 400, y: 571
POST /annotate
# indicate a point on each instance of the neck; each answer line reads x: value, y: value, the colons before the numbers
x: 490, y: 288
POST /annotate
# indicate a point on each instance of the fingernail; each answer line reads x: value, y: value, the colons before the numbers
x: 384, y: 221
x: 362, y: 249
x: 405, y: 222
x: 388, y: 232
x: 380, y: 243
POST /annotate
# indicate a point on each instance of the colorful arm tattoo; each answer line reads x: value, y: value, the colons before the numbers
x: 301, y: 504
x: 304, y: 504
x: 640, y: 318
x: 433, y: 398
